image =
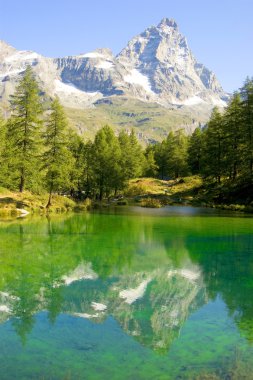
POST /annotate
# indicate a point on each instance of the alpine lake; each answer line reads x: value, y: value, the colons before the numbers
x: 127, y: 293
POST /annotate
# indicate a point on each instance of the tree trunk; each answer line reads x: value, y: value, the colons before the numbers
x: 49, y: 200
x: 22, y: 181
x: 101, y: 194
x: 50, y: 196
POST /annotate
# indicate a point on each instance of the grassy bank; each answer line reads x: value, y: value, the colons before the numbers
x: 146, y: 192
x: 150, y: 192
x: 192, y: 190
x: 15, y: 204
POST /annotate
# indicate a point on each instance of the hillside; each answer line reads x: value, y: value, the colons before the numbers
x: 150, y: 121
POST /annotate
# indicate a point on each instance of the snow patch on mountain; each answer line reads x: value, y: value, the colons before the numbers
x: 135, y: 77
x: 218, y: 102
x: 69, y: 88
x: 21, y: 55
x: 106, y: 65
x: 91, y: 55
x: 193, y: 101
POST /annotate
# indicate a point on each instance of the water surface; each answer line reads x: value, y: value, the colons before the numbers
x: 128, y: 294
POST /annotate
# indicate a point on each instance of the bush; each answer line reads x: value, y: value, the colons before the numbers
x: 151, y: 203
x: 83, y: 206
x: 136, y: 189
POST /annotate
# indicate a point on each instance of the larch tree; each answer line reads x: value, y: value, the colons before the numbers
x: 195, y: 151
x: 23, y: 129
x: 213, y: 147
x: 57, y: 158
x: 246, y: 93
x: 132, y: 158
x: 106, y: 162
x: 232, y: 133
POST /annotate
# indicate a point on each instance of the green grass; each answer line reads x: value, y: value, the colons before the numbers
x: 182, y: 190
x: 150, y: 121
x: 10, y: 202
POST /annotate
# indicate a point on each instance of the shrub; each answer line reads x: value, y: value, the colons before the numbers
x: 136, y: 189
x: 151, y: 203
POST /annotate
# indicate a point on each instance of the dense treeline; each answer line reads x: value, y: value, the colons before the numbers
x: 225, y: 146
x: 40, y: 152
x: 222, y: 150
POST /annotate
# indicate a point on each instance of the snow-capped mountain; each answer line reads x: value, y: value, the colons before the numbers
x: 156, y: 66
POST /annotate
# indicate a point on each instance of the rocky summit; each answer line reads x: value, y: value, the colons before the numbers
x: 156, y: 66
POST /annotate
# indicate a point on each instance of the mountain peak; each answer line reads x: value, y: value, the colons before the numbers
x: 155, y: 66
x: 170, y: 22
x: 5, y: 46
x: 6, y: 49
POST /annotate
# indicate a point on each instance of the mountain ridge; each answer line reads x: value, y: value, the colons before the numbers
x: 156, y: 67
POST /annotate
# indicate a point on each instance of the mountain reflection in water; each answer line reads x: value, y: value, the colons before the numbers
x: 149, y: 273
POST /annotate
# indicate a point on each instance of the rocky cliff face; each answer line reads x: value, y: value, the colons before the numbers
x: 173, y: 75
x: 156, y: 66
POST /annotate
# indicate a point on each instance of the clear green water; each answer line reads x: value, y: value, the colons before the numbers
x: 134, y: 294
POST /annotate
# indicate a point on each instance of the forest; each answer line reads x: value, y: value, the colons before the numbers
x: 40, y: 152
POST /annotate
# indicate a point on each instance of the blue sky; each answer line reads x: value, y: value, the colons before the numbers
x: 219, y: 32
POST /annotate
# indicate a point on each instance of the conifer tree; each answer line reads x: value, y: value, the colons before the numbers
x: 213, y: 147
x: 176, y: 145
x: 77, y: 149
x: 132, y: 157
x: 161, y: 158
x: 136, y: 155
x: 150, y: 166
x: 57, y: 159
x: 247, y: 116
x: 2, y: 136
x: 3, y: 173
x: 195, y: 151
x: 23, y: 130
x: 106, y: 162
x: 89, y: 176
x: 232, y: 134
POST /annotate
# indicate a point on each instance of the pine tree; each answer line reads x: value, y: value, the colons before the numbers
x: 3, y: 174
x: 247, y: 116
x: 57, y: 159
x: 177, y: 146
x: 23, y: 130
x: 2, y: 137
x: 232, y: 134
x: 150, y: 166
x: 213, y: 147
x: 89, y: 185
x: 105, y: 163
x: 136, y: 154
x: 77, y: 149
x: 161, y: 158
x: 132, y: 157
x: 195, y: 151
